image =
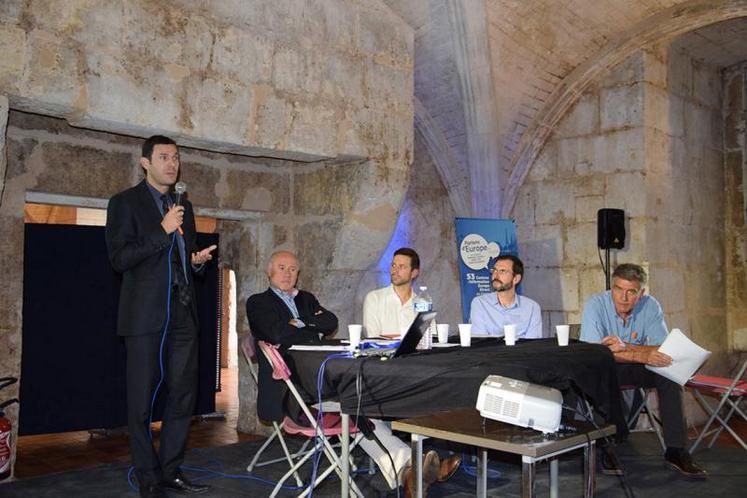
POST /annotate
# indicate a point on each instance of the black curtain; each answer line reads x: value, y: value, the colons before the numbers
x: 73, y: 363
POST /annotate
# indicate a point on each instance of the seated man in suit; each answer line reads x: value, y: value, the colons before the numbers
x: 632, y: 326
x: 489, y: 313
x: 283, y: 315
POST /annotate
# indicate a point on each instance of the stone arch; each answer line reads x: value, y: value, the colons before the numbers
x: 665, y: 25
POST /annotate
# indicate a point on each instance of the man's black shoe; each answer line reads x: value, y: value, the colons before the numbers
x: 152, y: 491
x: 182, y: 486
x: 611, y: 466
x: 679, y: 459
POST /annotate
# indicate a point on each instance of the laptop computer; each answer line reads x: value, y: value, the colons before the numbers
x: 409, y: 342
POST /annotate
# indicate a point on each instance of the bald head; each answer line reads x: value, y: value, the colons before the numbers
x: 282, y: 270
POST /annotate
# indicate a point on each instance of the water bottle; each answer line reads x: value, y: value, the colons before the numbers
x: 423, y: 303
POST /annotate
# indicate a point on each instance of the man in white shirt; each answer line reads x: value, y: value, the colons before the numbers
x: 390, y: 310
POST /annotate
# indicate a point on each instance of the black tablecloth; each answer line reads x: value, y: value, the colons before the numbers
x: 449, y: 378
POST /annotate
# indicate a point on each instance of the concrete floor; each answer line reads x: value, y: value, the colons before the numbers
x: 646, y: 474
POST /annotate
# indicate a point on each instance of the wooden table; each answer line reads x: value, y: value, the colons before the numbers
x: 466, y: 426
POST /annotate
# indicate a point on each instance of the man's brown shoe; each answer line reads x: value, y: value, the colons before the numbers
x: 448, y: 468
x: 679, y: 459
x: 431, y: 471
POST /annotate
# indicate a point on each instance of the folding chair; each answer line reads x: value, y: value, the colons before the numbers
x: 247, y: 347
x: 643, y: 407
x: 731, y: 393
x: 331, y: 426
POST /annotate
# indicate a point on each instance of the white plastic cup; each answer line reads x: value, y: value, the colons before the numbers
x: 443, y: 333
x: 465, y: 334
x: 562, y: 332
x: 509, y: 333
x: 354, y: 334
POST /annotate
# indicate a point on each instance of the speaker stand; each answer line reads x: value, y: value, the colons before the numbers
x: 607, y: 268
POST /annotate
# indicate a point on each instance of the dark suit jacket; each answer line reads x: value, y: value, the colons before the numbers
x: 269, y: 319
x: 138, y: 248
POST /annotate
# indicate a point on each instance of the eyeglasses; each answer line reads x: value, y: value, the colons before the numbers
x: 502, y: 271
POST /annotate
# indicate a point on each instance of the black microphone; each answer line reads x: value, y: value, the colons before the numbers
x: 179, y: 188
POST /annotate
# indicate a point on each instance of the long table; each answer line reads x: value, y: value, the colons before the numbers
x: 444, y: 379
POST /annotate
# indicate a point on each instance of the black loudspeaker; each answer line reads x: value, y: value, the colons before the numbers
x: 611, y: 228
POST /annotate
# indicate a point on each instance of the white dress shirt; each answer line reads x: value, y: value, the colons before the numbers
x: 384, y: 313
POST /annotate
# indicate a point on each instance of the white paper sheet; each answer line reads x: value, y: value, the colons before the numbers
x: 320, y: 347
x: 687, y: 357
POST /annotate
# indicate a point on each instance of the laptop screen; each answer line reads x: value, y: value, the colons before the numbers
x: 413, y: 335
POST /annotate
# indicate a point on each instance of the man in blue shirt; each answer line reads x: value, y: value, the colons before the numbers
x: 489, y: 313
x: 632, y: 326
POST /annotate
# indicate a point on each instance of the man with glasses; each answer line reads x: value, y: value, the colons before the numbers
x: 632, y: 326
x: 489, y: 313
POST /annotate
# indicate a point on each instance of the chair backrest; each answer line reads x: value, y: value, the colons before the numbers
x: 574, y: 331
x: 247, y: 347
x: 280, y: 370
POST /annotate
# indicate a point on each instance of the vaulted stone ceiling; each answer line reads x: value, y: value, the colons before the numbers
x: 492, y: 77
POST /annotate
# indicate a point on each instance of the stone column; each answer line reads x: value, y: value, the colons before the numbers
x: 11, y: 292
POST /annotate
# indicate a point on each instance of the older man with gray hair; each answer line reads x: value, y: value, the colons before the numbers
x: 632, y: 326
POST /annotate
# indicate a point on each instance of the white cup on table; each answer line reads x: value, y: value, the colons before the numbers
x: 443, y: 333
x: 465, y: 334
x: 509, y: 334
x: 562, y: 332
x: 354, y: 335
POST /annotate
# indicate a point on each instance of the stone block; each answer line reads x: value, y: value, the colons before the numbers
x: 659, y: 158
x: 707, y: 85
x: 580, y: 245
x: 555, y: 289
x: 621, y: 150
x: 327, y: 190
x: 621, y: 107
x: 82, y: 170
x: 662, y: 111
x: 555, y: 202
x: 219, y: 109
x: 14, y: 59
x: 582, y: 119
x: 587, y: 207
x: 314, y: 241
x: 523, y: 210
x: 242, y: 55
x: 314, y: 130
x: 201, y: 179
x: 545, y: 167
x: 264, y: 191
x: 627, y: 191
x: 544, y: 247
x: 667, y: 284
x: 590, y: 281
x: 629, y: 71
x: 733, y: 109
x: 271, y: 118
x: 655, y: 65
x: 297, y: 72
x: 680, y: 73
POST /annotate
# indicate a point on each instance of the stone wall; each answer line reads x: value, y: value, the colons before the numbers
x: 735, y: 229
x: 646, y: 139
x: 426, y: 223
x: 323, y: 87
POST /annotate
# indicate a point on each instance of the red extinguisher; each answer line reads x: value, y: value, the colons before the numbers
x: 6, y: 445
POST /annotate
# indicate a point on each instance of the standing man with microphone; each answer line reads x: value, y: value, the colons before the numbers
x: 151, y: 241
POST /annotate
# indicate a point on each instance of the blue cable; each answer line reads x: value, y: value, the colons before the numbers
x: 320, y: 417
x: 160, y: 361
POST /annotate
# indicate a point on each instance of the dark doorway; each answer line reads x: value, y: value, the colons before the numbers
x: 73, y: 363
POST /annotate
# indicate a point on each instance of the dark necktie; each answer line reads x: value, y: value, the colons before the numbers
x: 178, y: 279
